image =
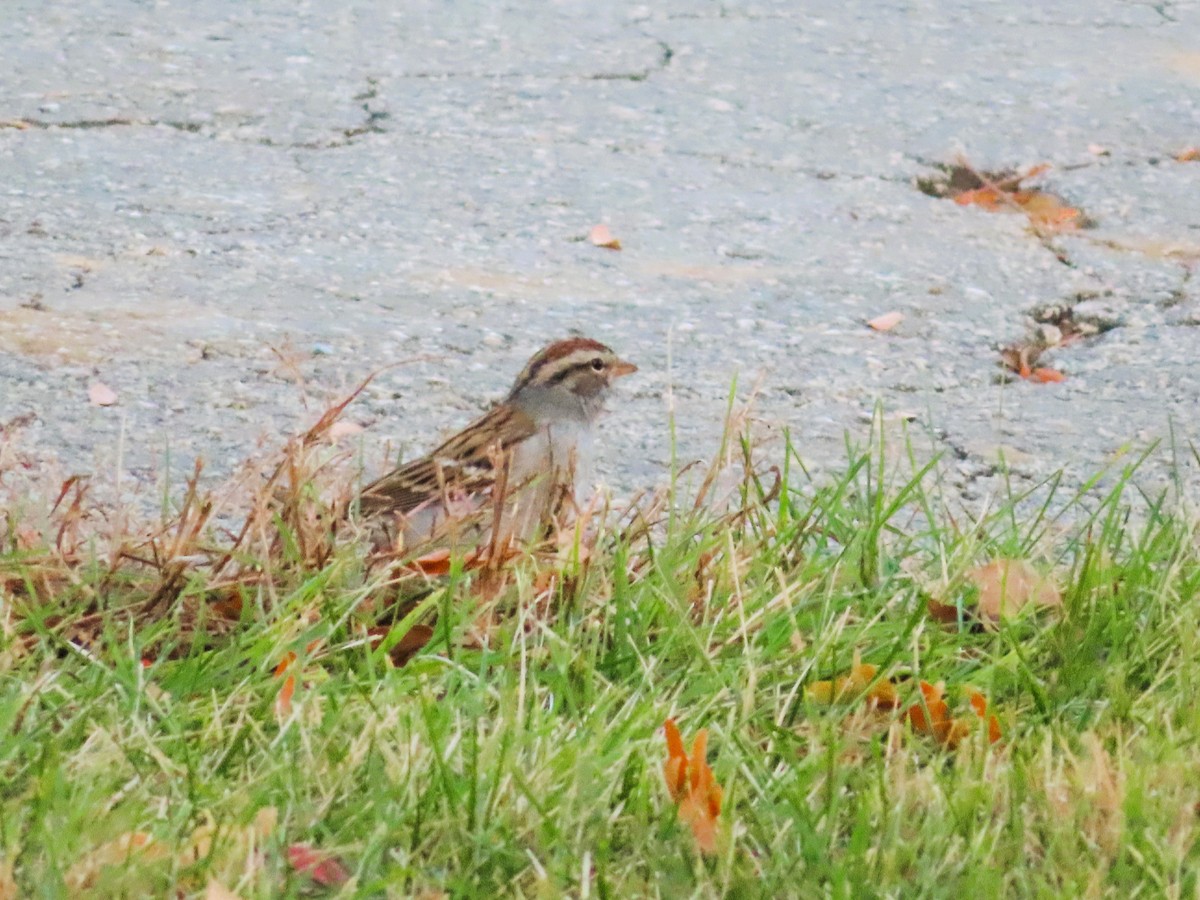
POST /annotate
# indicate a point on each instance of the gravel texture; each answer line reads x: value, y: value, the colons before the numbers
x: 187, y: 186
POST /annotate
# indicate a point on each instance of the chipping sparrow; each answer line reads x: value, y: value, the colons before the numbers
x: 534, y: 448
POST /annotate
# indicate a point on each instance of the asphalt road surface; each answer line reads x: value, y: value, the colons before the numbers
x: 229, y: 213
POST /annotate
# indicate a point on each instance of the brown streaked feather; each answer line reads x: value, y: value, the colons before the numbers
x: 463, y: 461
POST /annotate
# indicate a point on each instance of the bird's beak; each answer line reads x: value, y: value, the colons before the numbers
x: 621, y: 368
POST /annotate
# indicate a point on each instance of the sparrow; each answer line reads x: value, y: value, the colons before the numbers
x: 518, y: 463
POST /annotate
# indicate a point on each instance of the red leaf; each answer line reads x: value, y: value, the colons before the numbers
x: 323, y: 868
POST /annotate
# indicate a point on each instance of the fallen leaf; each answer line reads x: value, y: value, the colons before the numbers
x: 945, y: 613
x: 1007, y: 586
x: 407, y: 647
x: 1191, y: 154
x: 1044, y: 375
x: 980, y: 705
x: 1098, y: 150
x: 675, y: 768
x: 323, y: 868
x: 1001, y: 191
x: 987, y: 198
x: 886, y: 322
x: 341, y: 428
x: 283, y: 700
x: 1047, y: 212
x: 1020, y: 358
x: 692, y: 785
x: 100, y: 394
x: 932, y: 716
x: 434, y: 564
x: 602, y: 237
x: 860, y: 681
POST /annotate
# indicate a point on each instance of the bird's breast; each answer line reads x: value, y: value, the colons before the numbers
x: 558, y: 451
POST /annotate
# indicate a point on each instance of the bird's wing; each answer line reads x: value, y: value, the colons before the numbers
x: 464, y: 462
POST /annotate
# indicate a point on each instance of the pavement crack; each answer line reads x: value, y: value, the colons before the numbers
x: 23, y: 124
x: 374, y: 116
x: 665, y: 55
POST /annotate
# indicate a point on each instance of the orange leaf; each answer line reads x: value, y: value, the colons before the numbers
x: 985, y: 197
x: 675, y: 768
x: 602, y: 237
x: 433, y: 564
x: 1191, y: 154
x: 283, y: 700
x: 692, y: 785
x: 1044, y: 375
x: 932, y: 716
x: 288, y: 659
x: 980, y: 705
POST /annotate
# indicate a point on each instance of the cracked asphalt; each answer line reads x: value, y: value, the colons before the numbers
x: 230, y: 213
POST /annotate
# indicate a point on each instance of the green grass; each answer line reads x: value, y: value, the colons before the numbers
x: 534, y: 767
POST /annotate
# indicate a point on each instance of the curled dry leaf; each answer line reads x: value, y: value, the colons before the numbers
x: 1191, y: 154
x: 886, y: 322
x: 1007, y: 586
x: 692, y: 785
x: 1001, y: 192
x: 100, y: 394
x: 601, y: 236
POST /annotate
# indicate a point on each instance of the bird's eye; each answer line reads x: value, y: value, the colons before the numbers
x: 598, y: 364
